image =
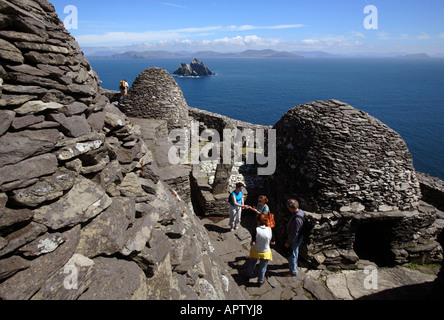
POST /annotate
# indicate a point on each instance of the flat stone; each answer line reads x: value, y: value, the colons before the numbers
x: 19, y: 287
x: 62, y: 287
x: 17, y: 146
x: 140, y: 233
x: 116, y: 279
x: 10, y: 217
x: 48, y: 188
x: 10, y: 53
x: 37, y: 106
x: 74, y: 126
x: 22, y: 236
x: 12, y: 265
x: 79, y: 148
x: 6, y: 118
x: 106, y: 234
x: 47, y: 58
x: 26, y: 121
x: 84, y: 201
x: 28, y: 169
x: 44, y: 244
x: 21, y: 36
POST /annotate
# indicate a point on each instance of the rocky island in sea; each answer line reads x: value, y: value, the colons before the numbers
x: 92, y: 209
x: 195, y: 68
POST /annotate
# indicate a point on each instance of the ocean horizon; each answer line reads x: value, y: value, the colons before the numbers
x: 405, y: 94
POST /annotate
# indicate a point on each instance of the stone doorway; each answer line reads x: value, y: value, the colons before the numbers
x: 373, y: 242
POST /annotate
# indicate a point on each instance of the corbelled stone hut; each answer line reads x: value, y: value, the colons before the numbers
x: 335, y: 157
x: 156, y: 95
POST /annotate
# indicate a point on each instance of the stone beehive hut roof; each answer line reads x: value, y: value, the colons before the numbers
x: 155, y: 94
x: 336, y: 157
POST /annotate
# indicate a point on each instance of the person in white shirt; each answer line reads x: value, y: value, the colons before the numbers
x: 260, y: 249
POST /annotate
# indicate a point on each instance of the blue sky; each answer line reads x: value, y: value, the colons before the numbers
x: 409, y: 26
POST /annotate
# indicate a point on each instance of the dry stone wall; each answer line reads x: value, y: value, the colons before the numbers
x: 79, y: 187
x: 154, y: 94
x: 335, y: 157
x: 355, y: 176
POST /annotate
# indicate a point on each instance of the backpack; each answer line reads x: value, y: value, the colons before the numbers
x: 308, y: 224
x: 122, y: 85
x: 271, y: 222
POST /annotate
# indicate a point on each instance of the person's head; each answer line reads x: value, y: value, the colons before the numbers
x: 262, y: 200
x: 293, y: 205
x: 239, y: 186
x: 263, y: 220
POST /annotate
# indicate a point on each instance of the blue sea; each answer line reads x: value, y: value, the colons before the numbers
x: 407, y: 95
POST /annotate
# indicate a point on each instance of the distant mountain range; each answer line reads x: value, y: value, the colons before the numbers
x: 267, y: 53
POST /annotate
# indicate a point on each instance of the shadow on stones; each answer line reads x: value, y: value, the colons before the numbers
x: 410, y: 292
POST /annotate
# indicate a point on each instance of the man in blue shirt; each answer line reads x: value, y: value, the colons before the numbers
x: 294, y: 239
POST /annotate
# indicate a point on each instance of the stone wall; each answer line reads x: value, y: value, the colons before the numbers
x: 432, y: 190
x: 356, y: 177
x: 210, y: 120
x: 335, y: 157
x: 84, y: 210
x: 155, y: 94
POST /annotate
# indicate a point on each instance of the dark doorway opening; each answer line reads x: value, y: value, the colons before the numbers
x: 373, y: 242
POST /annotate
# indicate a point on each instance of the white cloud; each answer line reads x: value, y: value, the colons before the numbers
x: 276, y: 27
x: 423, y: 36
x: 358, y: 34
x: 441, y: 35
x: 384, y: 35
x: 131, y: 37
x: 173, y: 5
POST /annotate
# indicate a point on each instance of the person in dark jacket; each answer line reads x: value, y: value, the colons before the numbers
x: 294, y: 238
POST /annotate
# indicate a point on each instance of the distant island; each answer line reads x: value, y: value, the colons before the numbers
x: 267, y: 53
x: 101, y: 53
x: 414, y: 56
x: 195, y: 68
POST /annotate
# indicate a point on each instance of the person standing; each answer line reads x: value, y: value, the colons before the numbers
x: 294, y: 238
x: 123, y: 86
x: 236, y: 206
x: 262, y: 237
x: 262, y: 208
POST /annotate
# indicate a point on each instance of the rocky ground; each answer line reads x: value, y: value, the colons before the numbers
x: 367, y: 282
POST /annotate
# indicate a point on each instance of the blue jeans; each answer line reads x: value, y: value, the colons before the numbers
x: 293, y: 258
x: 262, y: 268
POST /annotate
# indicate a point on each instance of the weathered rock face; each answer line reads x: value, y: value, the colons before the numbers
x: 84, y: 210
x: 155, y: 94
x: 335, y: 157
x: 195, y: 68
